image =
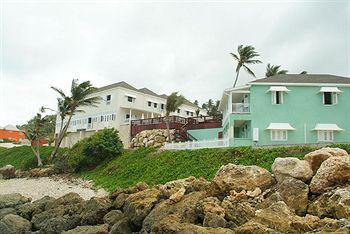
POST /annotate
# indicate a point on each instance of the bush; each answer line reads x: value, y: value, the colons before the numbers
x: 91, y: 151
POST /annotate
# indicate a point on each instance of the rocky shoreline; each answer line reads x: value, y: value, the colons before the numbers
x: 301, y: 196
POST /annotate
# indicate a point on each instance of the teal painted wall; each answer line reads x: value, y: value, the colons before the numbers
x: 205, y: 134
x: 302, y: 105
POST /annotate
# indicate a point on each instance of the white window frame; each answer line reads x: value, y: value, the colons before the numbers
x: 110, y: 98
x: 334, y: 98
x: 274, y: 99
x: 132, y: 99
x: 325, y: 135
x: 279, y: 135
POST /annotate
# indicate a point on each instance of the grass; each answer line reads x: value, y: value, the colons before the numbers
x: 153, y: 167
x: 22, y: 157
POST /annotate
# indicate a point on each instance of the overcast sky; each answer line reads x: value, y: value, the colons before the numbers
x: 173, y: 46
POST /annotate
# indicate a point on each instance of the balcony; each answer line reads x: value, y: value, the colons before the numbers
x: 240, y: 108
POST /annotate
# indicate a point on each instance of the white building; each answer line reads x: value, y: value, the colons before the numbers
x: 120, y: 103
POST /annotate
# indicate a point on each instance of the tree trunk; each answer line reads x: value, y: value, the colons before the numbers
x: 234, y: 85
x: 60, y: 138
x: 37, y: 155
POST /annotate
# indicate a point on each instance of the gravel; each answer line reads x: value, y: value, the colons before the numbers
x: 37, y: 188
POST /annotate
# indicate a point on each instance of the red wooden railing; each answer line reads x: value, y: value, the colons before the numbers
x: 175, y: 122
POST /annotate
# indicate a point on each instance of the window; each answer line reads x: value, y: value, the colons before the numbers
x: 162, y: 106
x: 330, y: 98
x: 191, y: 113
x: 178, y: 110
x: 127, y: 116
x: 155, y: 105
x: 108, y: 99
x: 279, y: 135
x: 101, y: 118
x: 277, y: 97
x: 131, y: 99
x: 187, y: 113
x: 325, y: 135
x: 149, y: 104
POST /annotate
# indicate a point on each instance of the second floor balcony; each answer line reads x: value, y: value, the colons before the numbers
x: 240, y: 108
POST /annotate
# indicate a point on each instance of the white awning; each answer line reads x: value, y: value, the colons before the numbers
x: 280, y: 126
x: 278, y: 88
x: 130, y: 95
x: 330, y: 89
x: 327, y: 127
x: 151, y: 100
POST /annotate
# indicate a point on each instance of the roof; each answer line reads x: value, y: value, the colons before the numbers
x: 11, y: 128
x: 123, y: 84
x: 304, y: 79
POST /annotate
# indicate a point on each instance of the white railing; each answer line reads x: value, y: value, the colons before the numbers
x: 240, y: 108
x: 219, y: 143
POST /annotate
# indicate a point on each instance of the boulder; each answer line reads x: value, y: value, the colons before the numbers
x: 176, y: 197
x: 12, y: 200
x: 214, y: 220
x: 59, y: 224
x: 186, y: 209
x: 121, y: 227
x: 138, y: 205
x: 254, y: 227
x: 113, y: 216
x: 14, y: 224
x: 172, y: 224
x: 94, y: 210
x: 294, y: 193
x: 316, y: 158
x: 119, y: 201
x: 190, y: 184
x: 291, y: 167
x: 98, y: 229
x: 237, y: 211
x: 27, y: 210
x: 334, y: 204
x: 6, y: 211
x: 7, y: 172
x: 212, y: 205
x: 41, y: 172
x: 332, y: 172
x: 239, y: 177
x: 278, y: 216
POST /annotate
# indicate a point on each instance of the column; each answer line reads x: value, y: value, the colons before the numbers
x: 130, y: 112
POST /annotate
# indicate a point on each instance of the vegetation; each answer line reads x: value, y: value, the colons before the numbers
x: 22, y: 157
x: 69, y: 105
x: 173, y: 102
x: 47, y: 130
x: 153, y: 167
x: 212, y: 108
x: 272, y: 70
x: 91, y: 151
x: 246, y: 55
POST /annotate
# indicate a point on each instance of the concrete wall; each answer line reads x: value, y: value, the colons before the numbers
x: 205, y: 134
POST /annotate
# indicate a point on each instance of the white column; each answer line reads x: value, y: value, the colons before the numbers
x: 230, y: 103
x: 130, y: 112
x: 152, y: 115
x: 142, y: 116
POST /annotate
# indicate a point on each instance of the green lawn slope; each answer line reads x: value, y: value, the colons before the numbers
x: 153, y: 167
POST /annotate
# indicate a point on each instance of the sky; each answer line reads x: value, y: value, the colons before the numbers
x: 165, y: 46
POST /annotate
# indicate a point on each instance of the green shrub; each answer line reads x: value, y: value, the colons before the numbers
x: 91, y: 151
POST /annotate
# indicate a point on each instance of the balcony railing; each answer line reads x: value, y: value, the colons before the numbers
x: 240, y: 108
x: 217, y: 143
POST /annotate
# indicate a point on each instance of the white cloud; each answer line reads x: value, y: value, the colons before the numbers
x: 182, y: 46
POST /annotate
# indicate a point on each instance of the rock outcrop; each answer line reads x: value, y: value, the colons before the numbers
x: 239, y: 199
x: 291, y: 167
x: 152, y: 138
x: 7, y: 172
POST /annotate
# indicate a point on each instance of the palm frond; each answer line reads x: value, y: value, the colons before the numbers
x: 248, y: 70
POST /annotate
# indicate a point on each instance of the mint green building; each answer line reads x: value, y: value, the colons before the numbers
x: 287, y: 110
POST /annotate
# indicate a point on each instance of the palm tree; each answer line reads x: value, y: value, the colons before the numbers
x: 34, y: 132
x: 246, y: 55
x: 68, y: 106
x: 173, y: 102
x: 272, y: 70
